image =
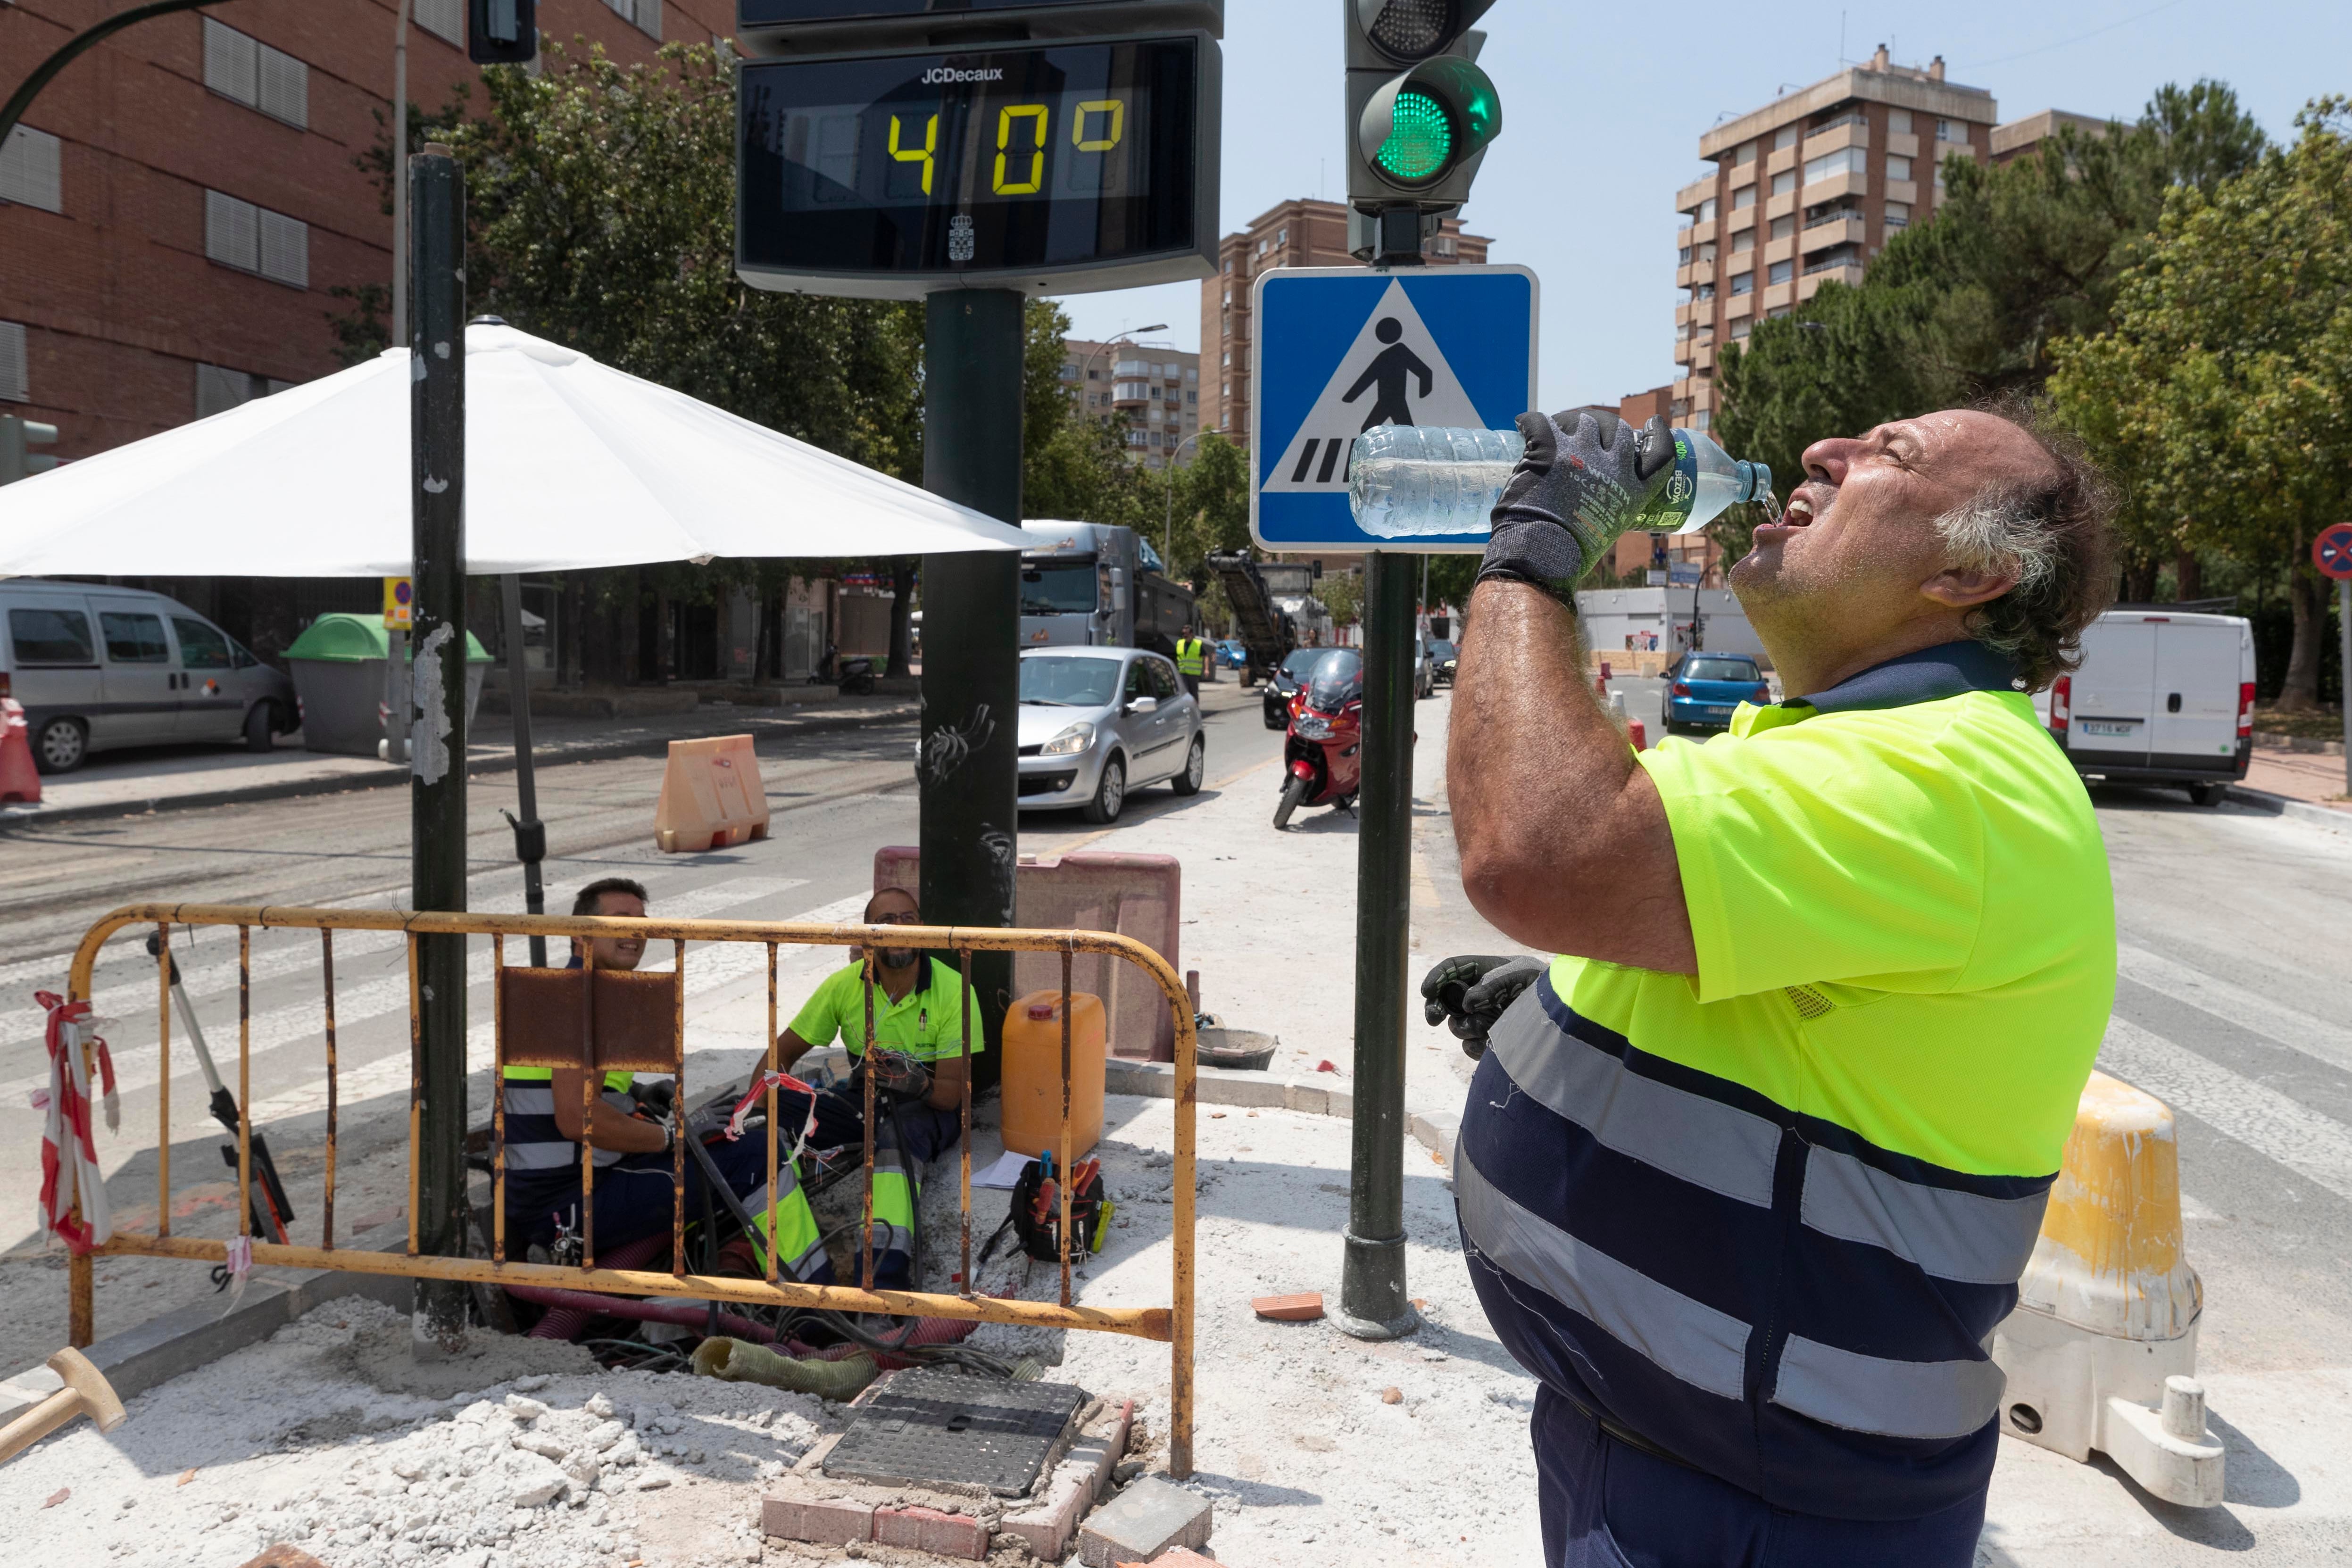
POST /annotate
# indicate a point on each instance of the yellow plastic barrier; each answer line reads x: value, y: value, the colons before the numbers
x: 711, y: 795
x: 2101, y: 1352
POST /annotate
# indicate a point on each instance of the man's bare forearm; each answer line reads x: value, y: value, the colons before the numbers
x: 1565, y: 844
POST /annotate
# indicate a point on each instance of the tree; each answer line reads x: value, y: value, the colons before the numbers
x: 1967, y: 306
x: 2220, y: 398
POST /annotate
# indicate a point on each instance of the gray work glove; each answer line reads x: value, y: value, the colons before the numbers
x: 1582, y: 482
x: 1468, y: 995
x: 708, y: 1125
x: 898, y: 1073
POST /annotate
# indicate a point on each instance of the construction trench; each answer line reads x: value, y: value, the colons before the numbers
x: 887, y: 1421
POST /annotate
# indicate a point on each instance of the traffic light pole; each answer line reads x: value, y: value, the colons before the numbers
x: 972, y: 631
x: 437, y: 697
x: 1372, y: 1301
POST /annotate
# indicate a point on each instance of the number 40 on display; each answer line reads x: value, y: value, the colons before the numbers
x: 1023, y: 132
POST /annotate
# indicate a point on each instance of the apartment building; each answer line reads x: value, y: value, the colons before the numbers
x: 1807, y: 189
x: 1158, y: 387
x: 2020, y: 137
x: 182, y: 204
x: 1292, y: 234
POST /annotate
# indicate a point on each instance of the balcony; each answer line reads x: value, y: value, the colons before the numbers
x: 1847, y: 133
x: 1779, y: 250
x: 1703, y: 357
x: 1850, y: 274
x: 1700, y: 233
x: 1840, y: 228
x: 1780, y: 162
x: 1739, y: 306
x: 1778, y: 295
x: 1692, y: 194
x: 1903, y: 190
x: 1781, y: 205
x: 1743, y: 174
x: 1745, y: 218
x: 1848, y: 183
x: 1903, y: 143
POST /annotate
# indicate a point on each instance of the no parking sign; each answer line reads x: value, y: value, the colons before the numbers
x: 2332, y: 551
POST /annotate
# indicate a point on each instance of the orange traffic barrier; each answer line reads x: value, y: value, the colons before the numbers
x: 20, y: 780
x: 2101, y: 1352
x: 711, y: 795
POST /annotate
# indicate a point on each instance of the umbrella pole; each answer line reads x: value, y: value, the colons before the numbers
x: 531, y: 833
x: 437, y: 741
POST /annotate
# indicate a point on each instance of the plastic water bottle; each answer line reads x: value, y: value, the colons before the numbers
x: 1408, y: 481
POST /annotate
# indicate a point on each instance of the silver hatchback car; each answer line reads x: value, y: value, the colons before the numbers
x: 1097, y: 723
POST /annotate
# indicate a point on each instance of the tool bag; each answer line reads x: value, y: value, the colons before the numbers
x: 1035, y: 1220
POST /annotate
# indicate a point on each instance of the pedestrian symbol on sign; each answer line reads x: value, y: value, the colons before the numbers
x: 1393, y: 373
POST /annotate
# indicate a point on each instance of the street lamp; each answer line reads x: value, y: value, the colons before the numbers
x: 1168, y: 522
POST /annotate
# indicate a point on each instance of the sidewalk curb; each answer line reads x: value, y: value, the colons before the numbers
x: 162, y: 1348
x: 2281, y: 805
x: 344, y: 783
x: 1268, y: 1090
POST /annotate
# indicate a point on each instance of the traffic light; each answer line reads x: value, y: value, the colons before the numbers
x: 1420, y: 111
x: 502, y: 32
x: 16, y: 435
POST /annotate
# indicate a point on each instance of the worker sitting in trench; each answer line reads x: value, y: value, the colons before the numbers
x: 917, y: 1065
x: 635, y: 1162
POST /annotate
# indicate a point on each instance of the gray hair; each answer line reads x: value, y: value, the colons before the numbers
x: 2051, y: 530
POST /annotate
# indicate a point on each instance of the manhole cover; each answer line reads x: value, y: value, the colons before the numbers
x: 933, y: 1428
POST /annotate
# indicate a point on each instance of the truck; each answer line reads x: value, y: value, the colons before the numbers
x: 1275, y: 609
x: 2164, y: 696
x: 1097, y: 585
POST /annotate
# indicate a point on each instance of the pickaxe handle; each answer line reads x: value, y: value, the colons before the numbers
x: 86, y: 1393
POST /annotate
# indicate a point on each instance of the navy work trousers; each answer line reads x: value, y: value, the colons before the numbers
x: 1607, y: 1505
x: 632, y: 1195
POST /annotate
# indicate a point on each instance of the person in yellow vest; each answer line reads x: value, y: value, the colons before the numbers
x: 636, y: 1167
x: 1191, y: 659
x: 919, y: 1006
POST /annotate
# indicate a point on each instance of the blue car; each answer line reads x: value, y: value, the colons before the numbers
x: 1231, y: 653
x: 1706, y: 688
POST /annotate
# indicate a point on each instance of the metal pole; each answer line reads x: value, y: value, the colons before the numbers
x: 971, y: 634
x: 399, y: 177
x: 437, y: 414
x: 1372, y: 1301
x: 2344, y: 670
x: 531, y: 833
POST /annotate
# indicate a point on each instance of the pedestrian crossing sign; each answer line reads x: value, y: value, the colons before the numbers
x: 1338, y: 351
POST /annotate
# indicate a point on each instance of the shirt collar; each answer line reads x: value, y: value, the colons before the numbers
x: 1928, y: 676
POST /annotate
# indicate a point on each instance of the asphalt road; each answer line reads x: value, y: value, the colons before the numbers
x: 2233, y: 1005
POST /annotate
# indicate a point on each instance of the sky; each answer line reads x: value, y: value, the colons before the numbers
x: 1601, y: 127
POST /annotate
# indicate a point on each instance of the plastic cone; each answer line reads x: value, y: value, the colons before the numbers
x: 20, y: 780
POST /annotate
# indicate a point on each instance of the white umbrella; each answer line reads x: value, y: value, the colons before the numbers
x: 569, y: 463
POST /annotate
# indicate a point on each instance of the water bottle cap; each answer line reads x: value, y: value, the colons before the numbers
x: 1756, y: 481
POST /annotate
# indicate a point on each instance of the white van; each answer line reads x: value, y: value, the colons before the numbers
x: 99, y: 668
x: 2162, y: 697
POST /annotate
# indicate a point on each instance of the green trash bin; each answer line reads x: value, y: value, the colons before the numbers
x: 338, y: 668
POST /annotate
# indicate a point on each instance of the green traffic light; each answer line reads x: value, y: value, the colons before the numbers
x: 1419, y: 144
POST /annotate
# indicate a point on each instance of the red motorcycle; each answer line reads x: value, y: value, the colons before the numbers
x: 1322, y: 754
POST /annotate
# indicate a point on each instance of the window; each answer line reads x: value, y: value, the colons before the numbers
x: 1699, y: 420
x: 1784, y: 182
x: 1779, y: 273
x: 1069, y: 371
x: 133, y: 638
x: 1682, y: 256
x: 1745, y: 240
x: 31, y: 170
x: 1830, y: 165
x: 1835, y: 256
x: 644, y: 16
x: 1776, y: 312
x: 1743, y: 199
x: 1740, y: 328
x: 1190, y: 395
x: 1898, y: 169
x: 1683, y: 332
x: 1743, y: 155
x: 202, y: 646
x: 51, y: 637
x: 1948, y: 130
x: 1163, y: 676
x: 1899, y: 122
x: 255, y: 239
x: 1939, y: 179
x: 1706, y: 291
x: 1898, y: 215
x: 1706, y: 211
x: 445, y: 19
x: 220, y: 389
x: 1784, y: 226
x: 1742, y: 283
x: 1281, y: 237
x: 255, y: 75
x: 1784, y: 139
x: 15, y: 374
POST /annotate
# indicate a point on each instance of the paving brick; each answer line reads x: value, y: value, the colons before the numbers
x: 1177, y: 1557
x: 1303, y: 1307
x: 1140, y: 1523
x: 929, y: 1530
x: 1045, y: 1526
x: 823, y: 1522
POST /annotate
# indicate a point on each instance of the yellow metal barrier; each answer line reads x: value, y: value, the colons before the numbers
x: 1171, y: 1323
